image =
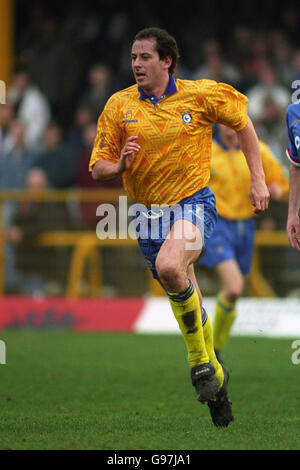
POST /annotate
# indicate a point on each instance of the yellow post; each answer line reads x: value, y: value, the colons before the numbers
x: 258, y: 284
x: 6, y: 40
x: 95, y: 276
x: 78, y: 260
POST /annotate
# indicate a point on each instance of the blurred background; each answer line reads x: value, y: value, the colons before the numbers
x: 60, y: 64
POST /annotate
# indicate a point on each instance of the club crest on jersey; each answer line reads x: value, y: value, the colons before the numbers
x: 187, y: 117
x: 128, y: 117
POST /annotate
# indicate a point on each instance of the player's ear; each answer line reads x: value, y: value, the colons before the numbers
x: 167, y: 62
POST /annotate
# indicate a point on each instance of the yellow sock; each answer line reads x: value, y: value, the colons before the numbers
x: 208, y: 337
x: 225, y: 314
x: 187, y: 311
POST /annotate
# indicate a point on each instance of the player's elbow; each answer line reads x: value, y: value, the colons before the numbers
x: 105, y: 171
x: 97, y: 173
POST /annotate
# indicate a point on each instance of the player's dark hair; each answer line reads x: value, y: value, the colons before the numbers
x: 166, y: 45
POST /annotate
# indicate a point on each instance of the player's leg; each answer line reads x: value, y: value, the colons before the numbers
x: 221, y: 407
x: 232, y: 285
x: 180, y: 249
x: 229, y: 251
x: 207, y: 331
x: 232, y: 273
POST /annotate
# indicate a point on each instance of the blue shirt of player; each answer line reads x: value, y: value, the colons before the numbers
x: 293, y: 129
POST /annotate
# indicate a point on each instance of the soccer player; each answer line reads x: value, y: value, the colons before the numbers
x: 293, y: 154
x: 230, y: 248
x: 157, y: 134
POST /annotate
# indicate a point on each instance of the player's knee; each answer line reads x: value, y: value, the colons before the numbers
x: 232, y: 296
x: 167, y: 270
x: 235, y: 291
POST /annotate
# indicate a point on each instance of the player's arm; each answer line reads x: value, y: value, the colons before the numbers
x: 276, y: 179
x: 227, y: 106
x: 259, y: 193
x: 293, y: 154
x: 109, y: 159
x: 293, y: 224
x: 106, y: 170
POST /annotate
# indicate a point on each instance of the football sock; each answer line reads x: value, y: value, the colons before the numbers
x: 225, y: 314
x: 208, y: 337
x: 187, y: 311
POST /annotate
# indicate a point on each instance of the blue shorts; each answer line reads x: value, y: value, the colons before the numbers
x: 200, y: 209
x: 231, y: 239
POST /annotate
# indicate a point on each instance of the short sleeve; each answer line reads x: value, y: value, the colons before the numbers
x: 293, y: 131
x: 107, y: 142
x: 225, y: 105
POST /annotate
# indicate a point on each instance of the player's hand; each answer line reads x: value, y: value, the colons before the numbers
x: 293, y: 231
x: 259, y: 196
x: 128, y: 153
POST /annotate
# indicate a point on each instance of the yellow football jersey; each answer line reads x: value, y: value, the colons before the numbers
x: 230, y: 179
x: 175, y: 136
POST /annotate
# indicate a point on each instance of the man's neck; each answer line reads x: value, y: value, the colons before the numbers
x: 158, y: 91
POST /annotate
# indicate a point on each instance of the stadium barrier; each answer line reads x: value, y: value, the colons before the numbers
x: 85, y: 250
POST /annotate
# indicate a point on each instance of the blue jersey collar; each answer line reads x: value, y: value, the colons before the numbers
x: 172, y: 88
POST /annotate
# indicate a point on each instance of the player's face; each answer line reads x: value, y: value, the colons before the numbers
x: 148, y: 69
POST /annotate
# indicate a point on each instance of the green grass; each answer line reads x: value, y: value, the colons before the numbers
x: 64, y: 390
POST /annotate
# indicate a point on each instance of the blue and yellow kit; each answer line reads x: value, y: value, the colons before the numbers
x: 175, y: 135
x: 230, y: 179
x: 233, y: 235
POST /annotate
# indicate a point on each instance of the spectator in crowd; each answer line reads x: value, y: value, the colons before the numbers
x: 258, y: 54
x: 99, y: 88
x: 38, y: 265
x: 56, y: 159
x: 82, y: 118
x: 215, y: 67
x: 239, y: 48
x: 31, y: 107
x: 282, y: 59
x: 268, y: 87
x: 16, y: 161
x: 273, y: 130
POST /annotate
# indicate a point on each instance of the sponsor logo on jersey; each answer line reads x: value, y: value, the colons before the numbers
x: 128, y: 117
x: 187, y: 117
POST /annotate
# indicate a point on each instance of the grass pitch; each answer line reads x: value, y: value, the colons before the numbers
x: 65, y: 390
